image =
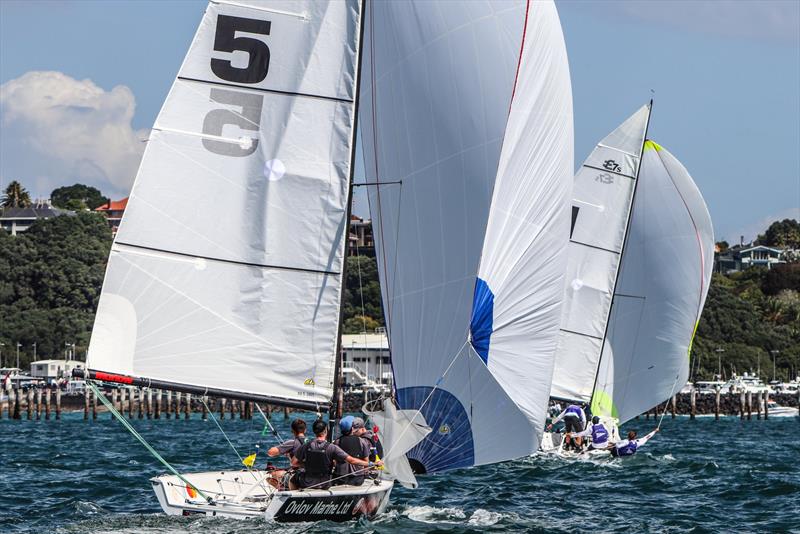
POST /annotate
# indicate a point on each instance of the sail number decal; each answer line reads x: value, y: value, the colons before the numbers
x: 248, y: 115
x: 225, y: 40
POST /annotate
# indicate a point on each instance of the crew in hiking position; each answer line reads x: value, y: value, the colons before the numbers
x: 288, y: 448
x: 628, y: 447
x: 598, y: 432
x: 574, y: 421
x: 314, y: 461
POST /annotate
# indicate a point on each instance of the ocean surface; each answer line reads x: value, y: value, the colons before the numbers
x: 695, y: 476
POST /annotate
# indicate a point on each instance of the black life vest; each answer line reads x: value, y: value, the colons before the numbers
x: 351, y: 444
x: 316, y: 462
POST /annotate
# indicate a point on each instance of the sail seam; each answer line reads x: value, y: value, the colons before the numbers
x: 593, y: 246
x: 580, y: 333
x: 618, y: 150
x: 607, y: 170
x: 264, y: 90
x: 223, y: 260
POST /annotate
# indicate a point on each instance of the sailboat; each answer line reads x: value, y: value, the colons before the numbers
x: 640, y: 260
x: 225, y: 277
x: 466, y: 123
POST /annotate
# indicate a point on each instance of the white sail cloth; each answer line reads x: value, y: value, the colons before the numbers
x: 400, y: 431
x: 664, y: 280
x: 226, y: 269
x: 438, y: 127
x: 601, y: 206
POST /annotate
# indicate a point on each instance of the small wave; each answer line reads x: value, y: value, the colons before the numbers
x: 430, y: 514
x: 88, y: 508
x: 484, y: 518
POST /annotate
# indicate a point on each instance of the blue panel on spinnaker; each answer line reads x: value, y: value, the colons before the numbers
x: 449, y: 445
x: 480, y: 325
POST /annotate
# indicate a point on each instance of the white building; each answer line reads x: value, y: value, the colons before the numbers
x: 761, y: 255
x: 54, y: 369
x: 365, y: 361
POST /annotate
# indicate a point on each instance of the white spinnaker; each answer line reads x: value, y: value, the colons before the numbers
x: 435, y: 106
x: 666, y: 272
x: 226, y: 269
x: 524, y: 257
x: 601, y: 204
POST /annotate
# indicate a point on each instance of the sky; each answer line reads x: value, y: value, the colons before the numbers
x: 81, y: 82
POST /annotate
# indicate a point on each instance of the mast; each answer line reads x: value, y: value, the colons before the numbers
x: 337, y: 400
x: 622, y: 250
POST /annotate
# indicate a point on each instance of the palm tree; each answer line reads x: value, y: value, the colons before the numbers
x: 15, y: 196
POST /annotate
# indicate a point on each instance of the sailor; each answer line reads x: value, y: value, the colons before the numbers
x: 288, y: 448
x: 574, y: 421
x: 376, y: 447
x: 598, y: 432
x: 628, y: 447
x: 314, y: 460
x: 353, y: 444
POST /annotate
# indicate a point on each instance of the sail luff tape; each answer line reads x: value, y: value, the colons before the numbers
x: 303, y: 15
x: 244, y: 142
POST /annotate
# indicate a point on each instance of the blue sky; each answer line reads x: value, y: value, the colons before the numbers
x: 726, y: 77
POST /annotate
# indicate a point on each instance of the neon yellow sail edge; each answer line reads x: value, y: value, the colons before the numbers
x: 603, y: 405
x: 651, y: 145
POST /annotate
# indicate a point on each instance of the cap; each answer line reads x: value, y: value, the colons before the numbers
x: 346, y: 423
x: 358, y: 423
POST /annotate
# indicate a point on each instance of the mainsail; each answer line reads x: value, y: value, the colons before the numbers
x: 602, y: 198
x: 466, y: 118
x: 226, y: 271
x: 665, y: 276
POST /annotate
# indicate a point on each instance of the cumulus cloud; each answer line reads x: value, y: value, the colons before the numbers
x: 750, y: 231
x: 57, y: 130
x: 764, y: 20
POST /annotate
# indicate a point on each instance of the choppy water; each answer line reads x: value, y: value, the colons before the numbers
x: 695, y: 476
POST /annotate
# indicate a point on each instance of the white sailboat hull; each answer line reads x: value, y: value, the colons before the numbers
x: 339, y: 503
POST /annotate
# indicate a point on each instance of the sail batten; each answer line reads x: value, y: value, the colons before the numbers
x: 226, y: 271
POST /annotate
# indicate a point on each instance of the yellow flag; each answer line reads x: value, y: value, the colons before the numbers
x: 250, y: 460
x: 376, y: 459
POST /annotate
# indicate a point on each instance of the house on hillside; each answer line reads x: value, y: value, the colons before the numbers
x: 361, y: 241
x: 16, y: 220
x: 113, y: 211
x: 743, y: 256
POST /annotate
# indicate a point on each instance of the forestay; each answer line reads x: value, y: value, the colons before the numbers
x: 441, y: 132
x: 666, y: 272
x: 602, y: 194
x: 225, y: 272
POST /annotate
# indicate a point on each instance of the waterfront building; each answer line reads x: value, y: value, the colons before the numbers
x: 360, y: 242
x: 16, y: 220
x: 365, y: 360
x: 113, y: 211
x: 54, y: 369
x: 743, y: 256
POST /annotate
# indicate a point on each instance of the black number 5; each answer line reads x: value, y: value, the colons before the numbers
x: 225, y: 40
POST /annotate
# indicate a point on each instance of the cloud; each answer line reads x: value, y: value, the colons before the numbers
x: 57, y: 130
x: 764, y: 20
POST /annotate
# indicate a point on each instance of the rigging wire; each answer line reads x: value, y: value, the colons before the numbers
x: 223, y: 432
x: 99, y: 394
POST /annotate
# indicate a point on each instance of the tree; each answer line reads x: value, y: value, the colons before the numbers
x: 781, y: 234
x: 15, y: 196
x: 77, y: 197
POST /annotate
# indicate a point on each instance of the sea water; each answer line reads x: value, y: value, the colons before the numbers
x: 695, y: 476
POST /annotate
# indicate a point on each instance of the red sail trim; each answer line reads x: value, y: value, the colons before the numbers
x: 108, y: 377
x: 521, y: 48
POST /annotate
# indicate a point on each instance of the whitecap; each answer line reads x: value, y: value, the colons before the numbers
x: 484, y: 518
x: 88, y: 508
x: 430, y: 514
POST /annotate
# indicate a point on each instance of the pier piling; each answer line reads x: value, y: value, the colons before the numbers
x: 139, y: 403
x: 759, y: 402
x: 674, y: 405
x: 17, y: 404
x: 58, y: 404
x: 749, y: 405
x: 47, y: 394
x: 693, y: 402
x: 168, y: 405
x: 177, y: 405
x: 94, y: 406
x: 157, y: 410
x: 222, y: 408
x: 114, y: 400
x: 29, y: 407
x: 766, y: 404
x: 38, y: 404
x: 741, y: 405
x: 204, y: 408
x: 130, y: 403
x: 187, y: 408
x: 716, y: 405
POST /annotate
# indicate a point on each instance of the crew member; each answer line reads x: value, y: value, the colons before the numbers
x: 574, y: 421
x: 288, y: 448
x: 628, y: 447
x: 598, y: 432
x: 314, y: 460
x: 356, y: 446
